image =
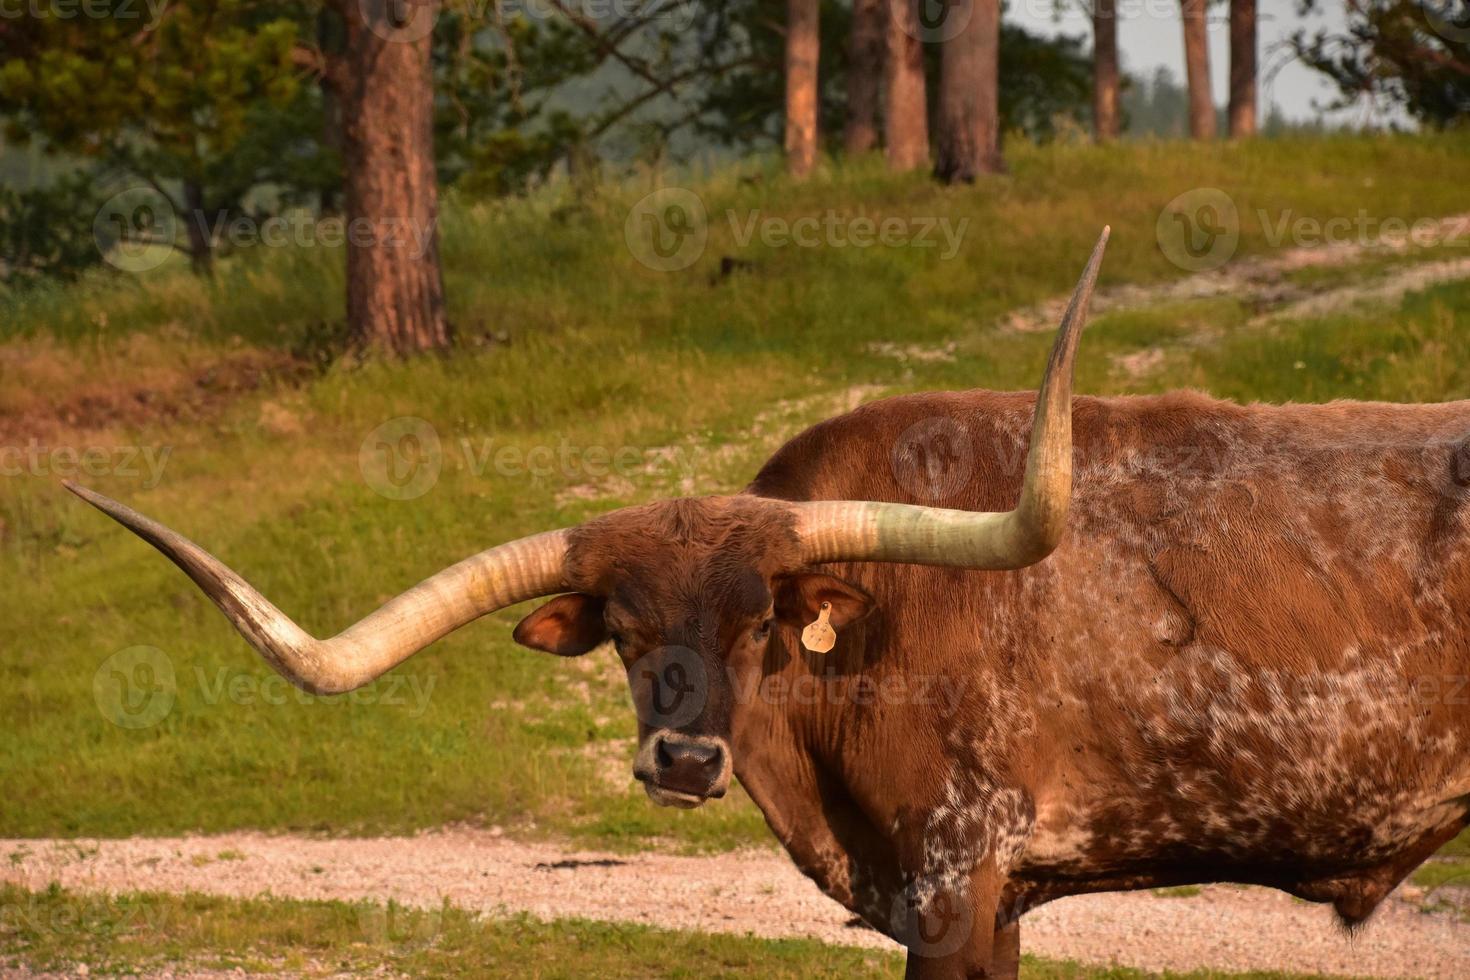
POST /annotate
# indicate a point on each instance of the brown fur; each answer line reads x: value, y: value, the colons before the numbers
x: 1247, y: 661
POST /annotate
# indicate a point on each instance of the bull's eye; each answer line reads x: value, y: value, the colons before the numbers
x: 762, y: 631
x: 619, y: 644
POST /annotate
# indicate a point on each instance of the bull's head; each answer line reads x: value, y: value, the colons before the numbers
x: 690, y: 587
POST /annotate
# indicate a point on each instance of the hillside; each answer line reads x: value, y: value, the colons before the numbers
x: 587, y: 379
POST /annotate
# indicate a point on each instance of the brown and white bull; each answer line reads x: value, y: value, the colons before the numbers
x: 1245, y: 659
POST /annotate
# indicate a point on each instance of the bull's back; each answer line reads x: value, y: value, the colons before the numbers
x: 1291, y: 534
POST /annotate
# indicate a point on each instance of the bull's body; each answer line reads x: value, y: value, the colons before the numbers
x: 1245, y: 658
x: 1247, y: 661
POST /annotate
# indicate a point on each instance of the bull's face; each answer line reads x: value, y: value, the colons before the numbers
x: 690, y: 594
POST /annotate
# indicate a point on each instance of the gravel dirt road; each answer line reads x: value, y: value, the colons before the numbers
x: 759, y: 892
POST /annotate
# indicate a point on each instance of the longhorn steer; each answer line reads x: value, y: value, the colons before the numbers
x: 1246, y: 659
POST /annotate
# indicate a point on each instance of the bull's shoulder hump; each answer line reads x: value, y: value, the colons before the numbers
x: 847, y: 455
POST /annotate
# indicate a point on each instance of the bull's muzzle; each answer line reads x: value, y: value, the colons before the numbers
x: 683, y: 770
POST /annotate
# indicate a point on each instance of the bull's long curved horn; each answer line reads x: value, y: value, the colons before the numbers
x: 513, y: 572
x: 849, y: 530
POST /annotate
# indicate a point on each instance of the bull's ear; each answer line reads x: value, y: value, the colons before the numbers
x: 567, y: 626
x: 799, y: 598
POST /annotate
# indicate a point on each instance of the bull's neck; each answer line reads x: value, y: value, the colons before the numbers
x: 834, y: 715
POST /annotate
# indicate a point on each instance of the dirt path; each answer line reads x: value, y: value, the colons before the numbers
x: 758, y: 892
x: 1264, y: 282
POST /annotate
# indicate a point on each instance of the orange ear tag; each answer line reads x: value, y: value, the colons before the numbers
x: 819, y: 636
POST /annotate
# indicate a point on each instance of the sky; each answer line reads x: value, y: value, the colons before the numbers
x: 1150, y: 34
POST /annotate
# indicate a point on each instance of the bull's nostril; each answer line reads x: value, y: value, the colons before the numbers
x: 662, y: 755
x: 688, y: 765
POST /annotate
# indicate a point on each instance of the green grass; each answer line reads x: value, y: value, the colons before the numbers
x: 1446, y: 870
x: 1459, y: 847
x: 131, y: 933
x: 593, y: 350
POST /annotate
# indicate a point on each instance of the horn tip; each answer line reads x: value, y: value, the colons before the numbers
x: 107, y: 505
x: 90, y: 496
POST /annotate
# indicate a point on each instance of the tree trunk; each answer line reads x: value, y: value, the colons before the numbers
x: 864, y: 75
x: 969, y: 93
x: 327, y: 39
x: 1106, y: 124
x: 1242, y: 68
x: 1197, y: 69
x: 905, y: 113
x: 801, y: 86
x: 395, y: 291
x: 197, y: 229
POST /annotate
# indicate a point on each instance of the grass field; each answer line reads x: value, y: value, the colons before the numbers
x: 132, y: 933
x: 206, y: 409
